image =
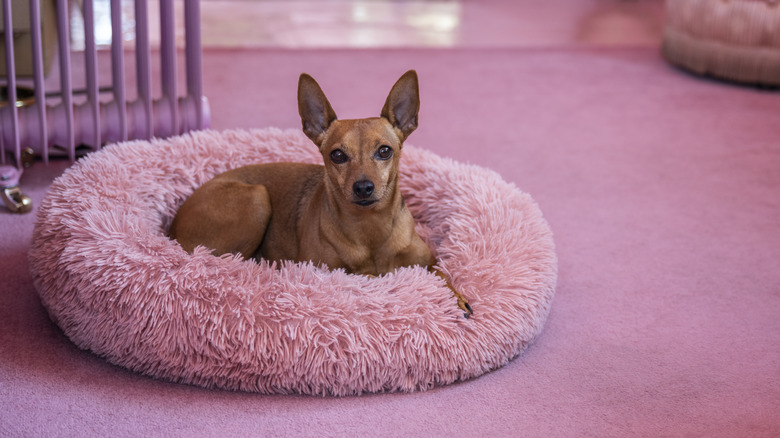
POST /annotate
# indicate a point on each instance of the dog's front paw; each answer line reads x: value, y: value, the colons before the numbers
x: 463, y: 305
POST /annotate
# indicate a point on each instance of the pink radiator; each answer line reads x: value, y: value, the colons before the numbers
x: 60, y: 120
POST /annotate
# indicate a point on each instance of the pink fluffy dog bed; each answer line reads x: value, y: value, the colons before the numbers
x: 116, y: 285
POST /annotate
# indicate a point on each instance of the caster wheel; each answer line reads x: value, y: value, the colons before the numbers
x: 16, y: 201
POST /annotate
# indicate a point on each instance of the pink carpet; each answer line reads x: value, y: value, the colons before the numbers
x: 663, y: 192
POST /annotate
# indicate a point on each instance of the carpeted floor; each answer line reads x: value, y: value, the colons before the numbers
x: 662, y: 189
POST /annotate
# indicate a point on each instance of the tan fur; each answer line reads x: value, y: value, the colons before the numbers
x: 305, y: 212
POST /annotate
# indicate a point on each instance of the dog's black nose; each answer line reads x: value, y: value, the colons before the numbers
x: 363, y: 189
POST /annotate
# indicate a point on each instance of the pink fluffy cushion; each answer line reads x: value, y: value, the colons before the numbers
x: 116, y: 285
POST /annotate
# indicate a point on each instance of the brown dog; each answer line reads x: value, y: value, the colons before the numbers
x: 346, y: 214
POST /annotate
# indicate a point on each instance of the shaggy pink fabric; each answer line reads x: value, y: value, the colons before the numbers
x: 117, y: 286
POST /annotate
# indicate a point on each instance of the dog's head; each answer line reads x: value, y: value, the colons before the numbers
x: 362, y: 155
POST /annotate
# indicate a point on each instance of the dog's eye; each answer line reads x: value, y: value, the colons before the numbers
x: 384, y: 152
x: 338, y: 156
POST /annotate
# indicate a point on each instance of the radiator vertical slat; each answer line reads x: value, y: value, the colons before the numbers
x: 11, y: 109
x: 66, y: 84
x: 168, y: 64
x: 40, y: 88
x: 143, y: 55
x: 194, y: 59
x: 118, y: 69
x: 90, y: 60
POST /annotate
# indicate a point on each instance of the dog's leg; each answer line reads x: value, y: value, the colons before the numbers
x: 229, y: 217
x: 418, y: 253
x: 463, y: 304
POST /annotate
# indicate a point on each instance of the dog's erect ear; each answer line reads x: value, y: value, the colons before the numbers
x: 403, y: 104
x: 314, y: 108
